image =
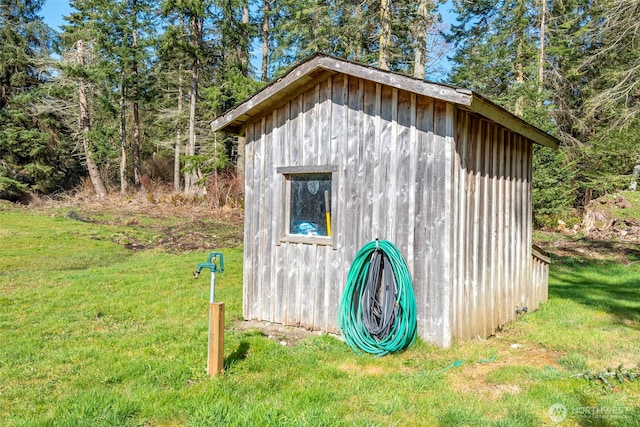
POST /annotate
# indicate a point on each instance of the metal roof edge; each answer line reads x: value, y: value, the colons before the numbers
x: 500, y: 115
x: 311, y: 67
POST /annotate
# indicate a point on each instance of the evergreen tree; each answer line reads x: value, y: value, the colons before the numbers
x: 420, y: 28
x: 231, y: 78
x: 593, y: 60
x: 172, y: 75
x: 384, y: 52
x: 611, y: 110
x: 265, y: 31
x: 615, y: 96
x: 75, y: 89
x: 504, y: 50
x: 496, y: 45
x: 382, y: 32
x: 569, y: 43
x: 299, y: 28
x: 192, y: 15
x: 32, y: 153
x: 120, y: 36
x: 74, y: 85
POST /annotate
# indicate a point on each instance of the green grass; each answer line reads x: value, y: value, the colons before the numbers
x: 92, y: 334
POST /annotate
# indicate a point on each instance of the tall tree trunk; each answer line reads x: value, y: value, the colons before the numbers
x: 92, y: 168
x: 191, y: 177
x: 193, y: 96
x: 519, y: 80
x: 137, y: 167
x: 246, y: 53
x: 384, y: 57
x: 123, y: 137
x: 178, y: 146
x: 137, y: 164
x: 519, y: 59
x: 543, y: 17
x: 420, y: 28
x: 633, y: 185
x: 266, y: 8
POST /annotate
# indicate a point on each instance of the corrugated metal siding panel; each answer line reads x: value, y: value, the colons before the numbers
x: 540, y: 280
x: 493, y: 231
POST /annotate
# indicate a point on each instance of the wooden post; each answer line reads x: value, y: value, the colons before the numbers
x: 215, y: 362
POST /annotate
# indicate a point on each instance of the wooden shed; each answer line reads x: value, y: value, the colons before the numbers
x: 441, y: 172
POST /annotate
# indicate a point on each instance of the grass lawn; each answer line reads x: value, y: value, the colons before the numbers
x: 95, y: 334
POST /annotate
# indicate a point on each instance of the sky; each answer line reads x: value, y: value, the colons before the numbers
x: 53, y: 11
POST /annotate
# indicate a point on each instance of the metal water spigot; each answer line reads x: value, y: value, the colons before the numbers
x: 215, y: 263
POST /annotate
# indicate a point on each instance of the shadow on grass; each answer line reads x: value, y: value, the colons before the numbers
x: 612, y: 415
x: 237, y: 356
x: 611, y: 286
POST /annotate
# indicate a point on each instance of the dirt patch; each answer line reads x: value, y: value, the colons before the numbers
x: 372, y: 370
x: 609, y: 231
x: 480, y: 387
x: 149, y: 223
x: 287, y: 336
x: 586, y: 249
x: 216, y: 230
x: 605, y: 219
x: 473, y: 377
x: 198, y: 234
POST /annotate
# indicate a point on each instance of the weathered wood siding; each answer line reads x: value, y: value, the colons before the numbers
x: 493, y: 261
x: 451, y: 191
x: 539, y: 277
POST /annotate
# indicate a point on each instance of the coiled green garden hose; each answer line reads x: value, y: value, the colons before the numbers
x: 377, y: 311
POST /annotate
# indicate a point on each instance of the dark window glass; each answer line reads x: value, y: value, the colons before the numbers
x: 310, y: 202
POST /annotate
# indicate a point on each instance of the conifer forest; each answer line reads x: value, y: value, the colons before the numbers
x: 123, y: 93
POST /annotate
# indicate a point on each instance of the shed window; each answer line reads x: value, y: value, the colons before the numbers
x: 308, y: 204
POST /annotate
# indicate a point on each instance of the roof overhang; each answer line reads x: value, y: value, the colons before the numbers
x: 320, y: 66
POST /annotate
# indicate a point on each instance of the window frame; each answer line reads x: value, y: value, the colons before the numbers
x: 285, y: 173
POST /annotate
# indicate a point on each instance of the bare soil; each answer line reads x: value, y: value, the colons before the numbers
x: 473, y: 377
x: 609, y: 231
x: 611, y: 217
x: 149, y: 222
x: 287, y: 336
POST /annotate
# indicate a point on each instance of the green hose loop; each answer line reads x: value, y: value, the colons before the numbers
x: 351, y: 313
